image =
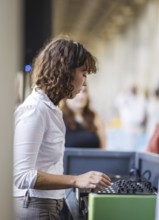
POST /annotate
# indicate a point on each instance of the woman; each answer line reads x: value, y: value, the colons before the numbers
x: 84, y: 128
x: 59, y: 72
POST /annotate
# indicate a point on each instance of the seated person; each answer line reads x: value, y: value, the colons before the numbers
x: 84, y: 128
x: 153, y: 145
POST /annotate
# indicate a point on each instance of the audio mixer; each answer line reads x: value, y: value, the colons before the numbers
x: 120, y: 185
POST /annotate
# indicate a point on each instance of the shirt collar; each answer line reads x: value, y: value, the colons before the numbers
x: 41, y: 95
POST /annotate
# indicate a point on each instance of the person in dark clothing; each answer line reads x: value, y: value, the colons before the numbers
x: 84, y: 128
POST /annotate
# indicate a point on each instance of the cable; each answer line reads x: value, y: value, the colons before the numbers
x: 147, y: 172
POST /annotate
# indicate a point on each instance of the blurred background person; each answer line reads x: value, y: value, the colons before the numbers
x: 153, y: 144
x: 84, y: 127
x: 152, y: 113
x: 131, y: 107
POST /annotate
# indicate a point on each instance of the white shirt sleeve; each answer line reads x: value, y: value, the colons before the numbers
x: 29, y: 131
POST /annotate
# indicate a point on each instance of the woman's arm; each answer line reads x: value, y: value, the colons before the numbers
x: 90, y: 179
x: 28, y: 135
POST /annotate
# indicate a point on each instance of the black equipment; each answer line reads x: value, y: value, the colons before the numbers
x: 120, y: 185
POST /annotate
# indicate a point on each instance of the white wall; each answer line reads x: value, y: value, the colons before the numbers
x: 132, y: 56
x: 9, y: 43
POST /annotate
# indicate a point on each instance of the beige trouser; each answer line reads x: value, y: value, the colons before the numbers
x: 37, y: 208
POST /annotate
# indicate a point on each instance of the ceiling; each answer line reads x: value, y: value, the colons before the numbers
x: 94, y: 22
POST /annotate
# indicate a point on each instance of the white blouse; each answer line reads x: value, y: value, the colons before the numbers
x: 38, y: 144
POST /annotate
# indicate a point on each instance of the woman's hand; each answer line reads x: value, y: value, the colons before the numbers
x: 92, y: 179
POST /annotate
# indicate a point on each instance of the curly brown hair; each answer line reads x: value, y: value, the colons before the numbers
x: 54, y: 67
